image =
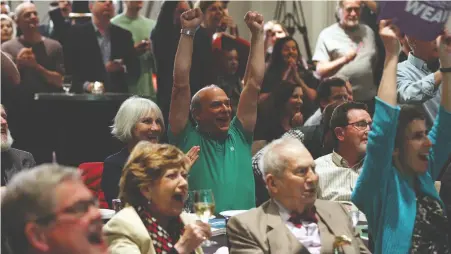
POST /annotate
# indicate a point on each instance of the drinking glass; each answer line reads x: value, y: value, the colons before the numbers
x: 204, y: 206
x: 188, y: 206
x: 67, y: 84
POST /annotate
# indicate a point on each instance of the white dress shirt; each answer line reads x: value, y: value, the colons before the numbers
x: 307, y: 235
x: 336, y: 178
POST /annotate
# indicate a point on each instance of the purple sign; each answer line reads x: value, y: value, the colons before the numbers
x: 423, y: 20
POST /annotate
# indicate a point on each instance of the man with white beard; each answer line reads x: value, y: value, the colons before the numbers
x: 13, y: 160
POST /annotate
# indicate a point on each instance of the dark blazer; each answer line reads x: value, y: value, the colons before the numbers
x: 13, y: 161
x: 112, y: 171
x: 86, y: 62
x: 261, y: 230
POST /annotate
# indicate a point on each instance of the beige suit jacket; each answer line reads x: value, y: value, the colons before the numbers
x: 126, y: 233
x: 261, y: 230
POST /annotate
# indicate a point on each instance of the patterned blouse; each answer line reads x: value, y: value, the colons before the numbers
x: 430, y: 233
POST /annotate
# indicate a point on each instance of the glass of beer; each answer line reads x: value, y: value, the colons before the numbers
x: 204, y: 206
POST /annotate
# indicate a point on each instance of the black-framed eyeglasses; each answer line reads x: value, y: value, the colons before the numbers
x: 78, y: 209
x: 361, y: 125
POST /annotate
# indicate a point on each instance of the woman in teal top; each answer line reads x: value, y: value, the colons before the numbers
x: 396, y: 189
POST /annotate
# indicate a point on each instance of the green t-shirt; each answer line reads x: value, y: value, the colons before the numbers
x: 223, y: 166
x: 140, y: 29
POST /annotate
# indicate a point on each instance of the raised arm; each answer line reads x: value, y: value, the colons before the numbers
x: 412, y: 90
x: 387, y: 87
x: 181, y: 94
x: 440, y: 135
x: 378, y: 160
x: 255, y: 71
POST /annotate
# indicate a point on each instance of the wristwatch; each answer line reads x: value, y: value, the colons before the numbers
x: 448, y: 69
x: 189, y: 32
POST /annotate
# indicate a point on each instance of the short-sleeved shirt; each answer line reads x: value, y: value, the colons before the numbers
x: 335, y: 42
x: 224, y: 166
x: 49, y: 54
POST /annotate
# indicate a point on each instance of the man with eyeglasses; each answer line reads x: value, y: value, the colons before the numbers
x: 329, y: 91
x: 339, y: 170
x: 49, y: 210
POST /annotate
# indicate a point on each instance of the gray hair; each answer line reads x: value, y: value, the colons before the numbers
x: 20, y: 8
x: 31, y: 195
x: 342, y: 77
x: 129, y: 114
x: 278, y: 153
x: 13, y: 24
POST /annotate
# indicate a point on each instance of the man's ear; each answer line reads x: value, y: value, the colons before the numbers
x: 339, y: 133
x: 195, y: 113
x: 36, y: 237
x: 271, y: 183
x: 323, y: 104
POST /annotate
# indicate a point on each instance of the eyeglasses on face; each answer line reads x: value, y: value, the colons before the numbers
x: 361, y: 125
x: 79, y: 209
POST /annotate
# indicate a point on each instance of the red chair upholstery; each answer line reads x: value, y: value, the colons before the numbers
x: 91, y: 173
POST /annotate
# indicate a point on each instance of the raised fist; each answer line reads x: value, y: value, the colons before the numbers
x: 389, y: 34
x: 191, y: 19
x: 445, y: 49
x: 254, y: 21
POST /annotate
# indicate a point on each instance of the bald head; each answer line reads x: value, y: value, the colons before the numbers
x: 210, y: 108
x: 280, y: 152
x: 27, y: 17
x: 20, y: 8
x: 196, y: 100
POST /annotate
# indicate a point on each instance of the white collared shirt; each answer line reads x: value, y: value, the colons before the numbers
x: 307, y: 235
x: 336, y: 178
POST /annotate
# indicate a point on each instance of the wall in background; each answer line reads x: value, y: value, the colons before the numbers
x: 318, y: 15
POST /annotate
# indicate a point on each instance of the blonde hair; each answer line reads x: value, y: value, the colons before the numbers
x: 13, y: 24
x: 146, y: 164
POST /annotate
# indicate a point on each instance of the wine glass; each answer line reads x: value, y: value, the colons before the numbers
x: 204, y: 206
x: 67, y: 84
x: 189, y: 203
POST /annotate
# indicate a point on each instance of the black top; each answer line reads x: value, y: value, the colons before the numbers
x: 112, y: 172
x: 13, y: 161
x: 86, y: 62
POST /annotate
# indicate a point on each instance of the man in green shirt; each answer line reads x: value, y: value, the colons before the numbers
x: 140, y: 28
x: 224, y: 163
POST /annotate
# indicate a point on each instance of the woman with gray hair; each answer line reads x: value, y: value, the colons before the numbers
x: 138, y: 119
x: 8, y: 28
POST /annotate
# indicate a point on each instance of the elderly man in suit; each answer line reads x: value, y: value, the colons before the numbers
x: 101, y: 51
x: 13, y: 160
x: 293, y: 220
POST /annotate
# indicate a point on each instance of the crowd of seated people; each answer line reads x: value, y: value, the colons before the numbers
x: 297, y: 148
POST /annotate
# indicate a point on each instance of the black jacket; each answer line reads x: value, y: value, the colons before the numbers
x: 112, y: 172
x: 86, y: 62
x: 13, y: 161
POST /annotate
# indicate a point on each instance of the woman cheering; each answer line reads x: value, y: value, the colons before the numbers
x: 396, y: 189
x: 153, y: 188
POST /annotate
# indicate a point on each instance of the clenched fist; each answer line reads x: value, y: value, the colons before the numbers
x: 445, y: 49
x: 191, y: 19
x: 389, y: 34
x: 254, y: 21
